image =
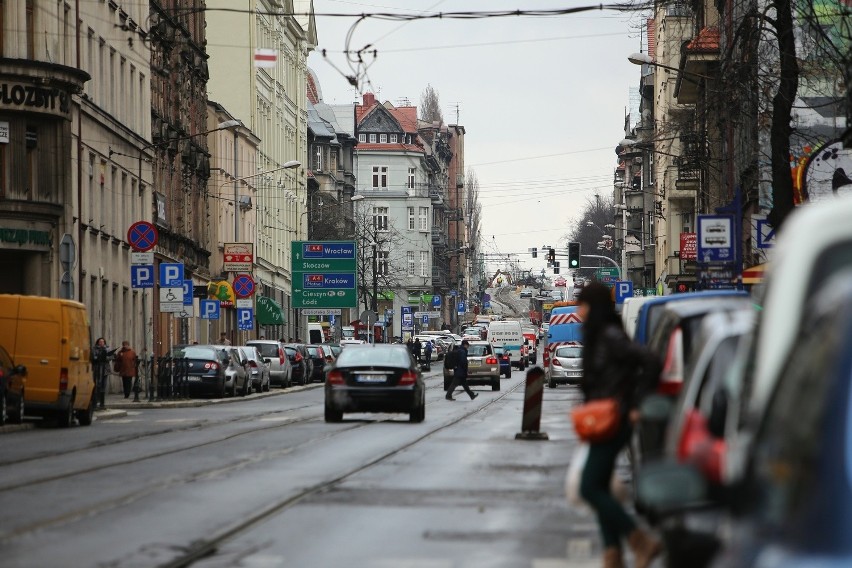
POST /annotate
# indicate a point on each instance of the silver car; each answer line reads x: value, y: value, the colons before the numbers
x: 566, y: 366
x: 237, y: 375
x: 273, y: 353
x: 483, y: 367
x: 258, y: 368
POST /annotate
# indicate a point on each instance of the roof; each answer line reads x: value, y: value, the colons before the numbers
x: 367, y: 146
x: 652, y: 38
x: 707, y: 41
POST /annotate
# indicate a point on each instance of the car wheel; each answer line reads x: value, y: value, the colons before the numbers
x: 221, y: 391
x: 84, y: 417
x: 332, y: 414
x: 509, y: 373
x: 418, y: 414
x: 551, y: 383
x: 247, y: 387
x: 17, y: 416
x: 66, y: 417
x: 233, y: 388
x: 495, y: 384
x: 3, y: 416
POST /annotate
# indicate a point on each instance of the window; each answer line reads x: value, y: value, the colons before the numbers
x: 424, y: 262
x: 383, y: 138
x: 411, y: 263
x: 394, y: 138
x: 411, y: 178
x: 372, y: 138
x: 318, y: 158
x: 382, y: 263
x: 380, y: 218
x: 411, y: 220
x: 362, y: 138
x: 424, y: 218
x: 332, y: 160
x: 30, y: 24
x: 380, y: 177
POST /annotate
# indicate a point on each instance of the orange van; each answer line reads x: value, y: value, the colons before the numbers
x: 51, y: 338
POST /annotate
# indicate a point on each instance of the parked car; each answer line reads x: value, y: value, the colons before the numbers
x: 319, y: 358
x: 258, y: 369
x: 301, y: 364
x: 280, y: 371
x: 651, y: 309
x: 208, y: 367
x: 375, y: 378
x: 13, y: 380
x: 504, y: 360
x: 335, y: 349
x: 673, y: 342
x: 566, y: 366
x: 483, y: 368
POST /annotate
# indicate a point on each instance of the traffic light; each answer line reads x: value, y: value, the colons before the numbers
x: 534, y: 252
x: 573, y: 255
x: 551, y: 256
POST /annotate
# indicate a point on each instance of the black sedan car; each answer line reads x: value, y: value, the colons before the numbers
x: 375, y: 378
x: 300, y: 361
x: 320, y: 359
x: 12, y: 380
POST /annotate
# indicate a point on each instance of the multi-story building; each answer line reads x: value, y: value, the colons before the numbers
x: 396, y: 216
x: 458, y: 238
x: 271, y: 101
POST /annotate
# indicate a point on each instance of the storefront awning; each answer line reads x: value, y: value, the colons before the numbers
x: 754, y: 275
x: 269, y: 312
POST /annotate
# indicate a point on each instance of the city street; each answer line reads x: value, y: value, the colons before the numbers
x: 264, y: 481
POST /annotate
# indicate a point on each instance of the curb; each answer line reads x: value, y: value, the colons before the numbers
x: 194, y: 403
x: 109, y: 414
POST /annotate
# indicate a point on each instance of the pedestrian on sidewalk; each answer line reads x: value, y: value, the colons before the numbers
x: 125, y: 366
x: 417, y: 349
x: 613, y: 367
x: 100, y: 370
x: 427, y: 354
x: 223, y: 339
x: 460, y: 372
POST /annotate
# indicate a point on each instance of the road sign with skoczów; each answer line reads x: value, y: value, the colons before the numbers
x: 607, y: 274
x: 324, y: 274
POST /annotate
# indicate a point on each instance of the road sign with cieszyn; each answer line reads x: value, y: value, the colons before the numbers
x: 324, y: 274
x: 607, y: 274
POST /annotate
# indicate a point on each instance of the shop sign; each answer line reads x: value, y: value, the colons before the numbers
x: 24, y: 238
x: 21, y: 96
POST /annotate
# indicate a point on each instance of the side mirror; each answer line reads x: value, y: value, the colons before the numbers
x: 665, y: 488
x: 20, y: 370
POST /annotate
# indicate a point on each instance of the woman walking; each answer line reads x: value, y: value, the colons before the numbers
x: 613, y: 367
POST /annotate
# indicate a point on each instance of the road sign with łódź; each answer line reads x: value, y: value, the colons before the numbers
x: 607, y: 274
x: 243, y: 286
x: 142, y: 236
x: 324, y: 274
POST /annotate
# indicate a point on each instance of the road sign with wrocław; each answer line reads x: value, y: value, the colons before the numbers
x: 324, y: 274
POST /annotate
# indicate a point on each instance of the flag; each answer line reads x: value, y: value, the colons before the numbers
x: 265, y: 57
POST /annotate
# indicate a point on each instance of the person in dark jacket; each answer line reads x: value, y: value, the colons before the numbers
x: 101, y: 354
x: 460, y: 373
x: 126, y: 364
x: 613, y: 366
x: 416, y: 349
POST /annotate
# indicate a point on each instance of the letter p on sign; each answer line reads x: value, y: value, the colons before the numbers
x: 623, y: 290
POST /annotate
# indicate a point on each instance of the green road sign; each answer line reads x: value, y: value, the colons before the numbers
x: 324, y: 274
x: 607, y: 274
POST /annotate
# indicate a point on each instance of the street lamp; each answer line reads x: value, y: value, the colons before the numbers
x: 645, y: 59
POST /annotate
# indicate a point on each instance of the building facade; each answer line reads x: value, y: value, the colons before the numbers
x: 271, y: 101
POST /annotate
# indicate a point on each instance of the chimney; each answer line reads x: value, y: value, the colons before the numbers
x: 369, y: 100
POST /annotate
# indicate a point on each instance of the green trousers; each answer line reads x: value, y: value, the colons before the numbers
x: 614, y: 521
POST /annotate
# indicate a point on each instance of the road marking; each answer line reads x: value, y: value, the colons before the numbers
x: 173, y: 420
x: 275, y: 419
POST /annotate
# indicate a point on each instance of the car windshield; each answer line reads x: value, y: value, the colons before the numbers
x: 569, y: 352
x: 313, y: 351
x: 386, y: 356
x: 250, y: 353
x: 499, y: 350
x: 291, y: 351
x: 478, y: 350
x: 267, y: 349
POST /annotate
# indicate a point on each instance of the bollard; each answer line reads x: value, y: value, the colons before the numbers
x: 533, y: 394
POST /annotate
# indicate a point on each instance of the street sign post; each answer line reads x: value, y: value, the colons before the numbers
x: 715, y: 238
x: 623, y: 290
x: 171, y: 299
x: 141, y: 276
x: 142, y: 236
x: 238, y: 257
x: 324, y: 274
x: 209, y: 309
x: 171, y: 274
x: 245, y: 319
x: 607, y: 274
x: 244, y: 286
x: 321, y: 312
x: 187, y: 292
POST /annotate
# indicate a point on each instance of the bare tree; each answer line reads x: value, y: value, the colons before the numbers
x: 430, y: 106
x: 374, y: 240
x: 473, y: 215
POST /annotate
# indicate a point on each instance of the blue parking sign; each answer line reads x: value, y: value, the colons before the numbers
x: 187, y: 292
x: 623, y: 290
x: 245, y: 319
x: 209, y: 309
x: 171, y: 274
x: 142, y: 276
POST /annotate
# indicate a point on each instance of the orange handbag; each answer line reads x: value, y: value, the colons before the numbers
x: 597, y: 420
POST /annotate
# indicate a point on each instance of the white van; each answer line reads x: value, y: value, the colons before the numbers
x: 315, y: 334
x: 630, y: 311
x: 508, y: 334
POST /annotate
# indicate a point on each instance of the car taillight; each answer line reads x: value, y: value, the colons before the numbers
x: 408, y: 378
x: 556, y: 363
x: 545, y: 357
x: 298, y: 357
x: 63, y: 379
x: 211, y: 366
x: 335, y: 377
x: 281, y: 356
x: 671, y: 379
x: 491, y: 361
x: 253, y: 364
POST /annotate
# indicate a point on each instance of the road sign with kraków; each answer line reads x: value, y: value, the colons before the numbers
x: 324, y: 274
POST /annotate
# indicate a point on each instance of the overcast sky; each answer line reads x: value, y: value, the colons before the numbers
x: 543, y: 102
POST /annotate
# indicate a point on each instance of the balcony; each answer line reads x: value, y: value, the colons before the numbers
x: 439, y: 236
x: 439, y: 278
x: 437, y: 196
x: 635, y: 200
x: 688, y: 173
